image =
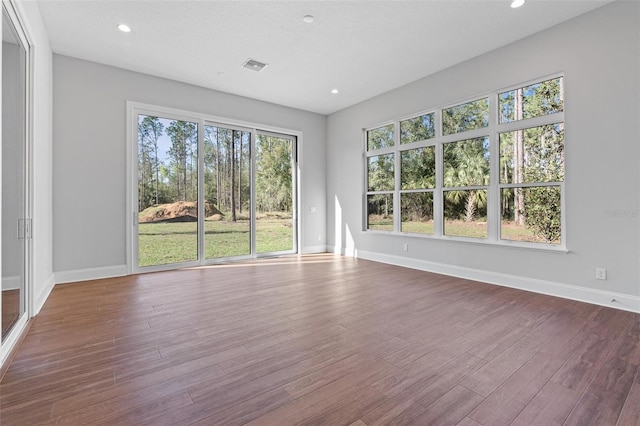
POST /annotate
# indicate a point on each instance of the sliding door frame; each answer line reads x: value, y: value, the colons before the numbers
x: 133, y: 109
x: 294, y: 184
x: 15, y: 15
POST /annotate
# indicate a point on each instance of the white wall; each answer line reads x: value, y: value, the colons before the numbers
x: 599, y: 54
x: 89, y: 158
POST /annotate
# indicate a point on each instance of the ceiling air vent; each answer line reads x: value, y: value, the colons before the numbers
x: 254, y: 65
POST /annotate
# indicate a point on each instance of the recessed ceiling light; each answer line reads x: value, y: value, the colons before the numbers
x: 335, y: 91
x: 517, y: 3
x: 308, y: 19
x: 124, y: 28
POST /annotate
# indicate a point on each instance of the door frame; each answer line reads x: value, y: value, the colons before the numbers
x: 133, y: 109
x: 15, y: 15
x: 294, y: 184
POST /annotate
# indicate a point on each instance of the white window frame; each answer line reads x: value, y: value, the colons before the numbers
x: 492, y: 131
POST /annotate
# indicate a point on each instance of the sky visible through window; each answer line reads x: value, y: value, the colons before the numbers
x: 164, y: 141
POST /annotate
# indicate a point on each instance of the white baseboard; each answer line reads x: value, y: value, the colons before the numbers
x: 44, y: 294
x: 12, y: 338
x: 10, y: 283
x: 598, y: 297
x: 313, y: 249
x: 349, y: 252
x: 90, y: 274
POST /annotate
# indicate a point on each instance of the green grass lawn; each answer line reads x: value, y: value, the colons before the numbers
x: 453, y: 228
x: 509, y: 230
x: 165, y: 243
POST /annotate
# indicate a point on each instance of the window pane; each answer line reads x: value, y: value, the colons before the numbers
x: 532, y: 155
x: 418, y: 168
x: 531, y: 214
x: 382, y: 137
x: 274, y: 193
x: 531, y: 101
x: 417, y: 129
x: 469, y: 116
x: 227, y: 192
x: 465, y: 213
x: 466, y: 163
x: 380, y: 212
x: 380, y: 173
x: 417, y: 212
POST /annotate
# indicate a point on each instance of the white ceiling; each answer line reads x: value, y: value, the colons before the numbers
x: 363, y: 48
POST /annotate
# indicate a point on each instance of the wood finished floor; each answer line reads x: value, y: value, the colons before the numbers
x: 320, y: 340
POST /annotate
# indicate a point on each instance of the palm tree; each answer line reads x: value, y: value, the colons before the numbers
x: 467, y: 164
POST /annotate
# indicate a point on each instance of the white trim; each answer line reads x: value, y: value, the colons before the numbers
x: 343, y: 251
x: 90, y: 274
x: 12, y: 338
x: 313, y: 249
x: 150, y: 109
x: 610, y: 299
x: 41, y: 298
x: 131, y: 217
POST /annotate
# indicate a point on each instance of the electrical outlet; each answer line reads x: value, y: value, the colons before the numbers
x: 405, y: 247
x: 601, y: 274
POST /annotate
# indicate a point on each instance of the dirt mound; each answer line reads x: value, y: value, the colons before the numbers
x: 181, y: 211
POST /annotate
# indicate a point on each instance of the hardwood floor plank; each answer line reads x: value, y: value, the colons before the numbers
x: 450, y: 409
x: 326, y: 375
x: 630, y: 415
x: 468, y: 422
x: 605, y: 397
x: 503, y: 405
x: 491, y: 376
x: 414, y: 399
x: 550, y: 407
x: 127, y: 371
x: 349, y: 410
x: 129, y: 410
x: 320, y: 339
x: 157, y: 383
x: 245, y: 387
x: 409, y: 375
x: 314, y: 403
x: 581, y: 368
x: 248, y: 410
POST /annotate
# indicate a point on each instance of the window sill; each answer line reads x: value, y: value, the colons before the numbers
x: 479, y: 241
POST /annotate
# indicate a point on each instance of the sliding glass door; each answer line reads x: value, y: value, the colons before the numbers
x: 208, y: 191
